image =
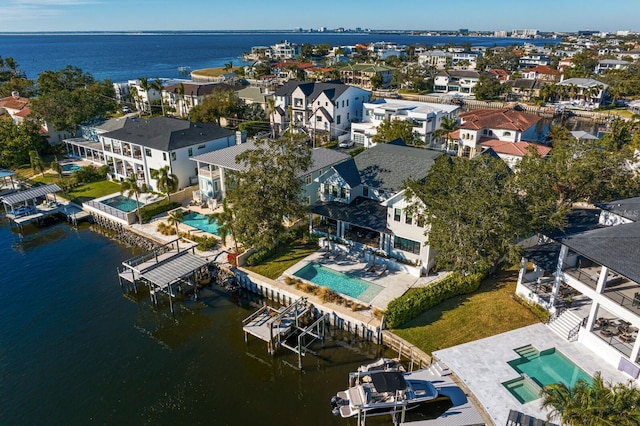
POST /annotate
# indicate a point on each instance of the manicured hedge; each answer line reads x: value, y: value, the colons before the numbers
x: 259, y: 257
x: 151, y: 210
x: 416, y: 301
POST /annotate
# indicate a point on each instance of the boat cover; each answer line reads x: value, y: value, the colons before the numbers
x: 388, y: 381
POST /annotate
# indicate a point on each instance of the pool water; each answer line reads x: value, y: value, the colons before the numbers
x: 523, y: 389
x: 200, y: 221
x: 339, y: 282
x: 545, y: 368
x: 122, y: 203
x: 72, y: 167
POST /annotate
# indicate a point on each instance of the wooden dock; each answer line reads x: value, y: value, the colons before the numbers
x: 276, y: 326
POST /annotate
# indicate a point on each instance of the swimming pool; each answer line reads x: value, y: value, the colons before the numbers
x: 121, y: 203
x: 542, y: 368
x: 200, y: 221
x: 350, y: 286
x: 71, y: 167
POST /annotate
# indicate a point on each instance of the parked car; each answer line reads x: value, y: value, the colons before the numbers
x: 346, y: 144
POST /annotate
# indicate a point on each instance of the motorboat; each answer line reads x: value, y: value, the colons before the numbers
x: 381, y: 392
x: 384, y: 364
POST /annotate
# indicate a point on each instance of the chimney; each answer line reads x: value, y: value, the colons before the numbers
x: 241, y: 137
x: 15, y: 94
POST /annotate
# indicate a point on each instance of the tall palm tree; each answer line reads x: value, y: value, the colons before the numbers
x: 157, y: 85
x: 129, y: 186
x: 181, y: 99
x: 145, y: 85
x: 225, y: 219
x: 167, y: 181
x: 271, y: 107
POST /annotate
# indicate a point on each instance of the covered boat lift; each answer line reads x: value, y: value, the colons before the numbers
x: 22, y: 207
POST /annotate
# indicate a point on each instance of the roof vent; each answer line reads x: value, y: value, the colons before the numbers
x: 15, y: 94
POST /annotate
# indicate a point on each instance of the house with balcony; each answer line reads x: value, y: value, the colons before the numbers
x: 509, y: 133
x: 363, y: 204
x: 542, y: 73
x: 181, y: 97
x: 534, y: 59
x: 214, y: 168
x: 611, y: 64
x: 361, y: 74
x: 456, y: 82
x: 438, y: 59
x: 588, y: 277
x: 140, y: 146
x: 582, y: 93
x: 465, y: 60
x: 321, y: 110
x: 425, y: 117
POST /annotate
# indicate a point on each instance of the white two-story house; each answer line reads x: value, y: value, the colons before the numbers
x: 322, y: 110
x: 456, y: 82
x: 363, y: 203
x: 588, y: 277
x: 425, y: 117
x: 137, y: 146
x: 213, y: 169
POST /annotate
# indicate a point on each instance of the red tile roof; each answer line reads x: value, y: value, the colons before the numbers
x: 12, y: 102
x: 543, y: 69
x: 24, y: 112
x: 507, y: 119
x: 519, y: 149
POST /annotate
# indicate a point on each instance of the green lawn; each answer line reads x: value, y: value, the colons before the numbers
x: 287, y: 257
x: 89, y: 191
x: 489, y: 311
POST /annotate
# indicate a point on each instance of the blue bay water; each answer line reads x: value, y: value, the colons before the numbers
x: 120, y: 57
x: 75, y: 350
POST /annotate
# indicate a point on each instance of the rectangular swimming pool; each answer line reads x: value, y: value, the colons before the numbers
x: 542, y: 368
x: 122, y: 203
x: 349, y: 286
x: 200, y: 221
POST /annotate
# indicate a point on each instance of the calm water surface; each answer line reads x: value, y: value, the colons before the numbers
x: 75, y: 350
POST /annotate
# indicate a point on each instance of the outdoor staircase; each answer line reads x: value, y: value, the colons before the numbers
x: 564, y: 323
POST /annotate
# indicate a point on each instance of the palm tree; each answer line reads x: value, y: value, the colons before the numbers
x: 157, y: 85
x: 145, y: 85
x: 167, y: 181
x: 130, y: 186
x: 271, y: 107
x: 225, y: 219
x: 135, y: 95
x: 56, y: 167
x: 447, y: 125
x: 174, y: 217
x: 181, y: 100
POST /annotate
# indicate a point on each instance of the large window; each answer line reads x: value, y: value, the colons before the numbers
x: 407, y: 245
x: 408, y: 218
x: 396, y: 214
x: 147, y: 152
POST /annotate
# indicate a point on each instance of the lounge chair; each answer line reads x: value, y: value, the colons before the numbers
x: 382, y: 270
x: 368, y: 267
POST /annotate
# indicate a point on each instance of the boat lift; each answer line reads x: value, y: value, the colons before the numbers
x: 275, y: 326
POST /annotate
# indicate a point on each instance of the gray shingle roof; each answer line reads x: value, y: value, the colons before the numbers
x: 349, y: 172
x: 616, y: 247
x: 628, y: 208
x: 226, y: 157
x: 167, y: 134
x: 364, y: 212
x: 388, y: 166
x: 313, y: 90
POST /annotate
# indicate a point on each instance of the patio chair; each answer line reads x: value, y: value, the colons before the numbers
x: 368, y: 267
x: 382, y: 270
x: 514, y: 418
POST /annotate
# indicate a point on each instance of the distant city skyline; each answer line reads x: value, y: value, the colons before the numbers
x: 146, y: 15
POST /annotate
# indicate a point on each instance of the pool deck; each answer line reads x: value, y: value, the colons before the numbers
x: 482, y: 366
x: 393, y: 283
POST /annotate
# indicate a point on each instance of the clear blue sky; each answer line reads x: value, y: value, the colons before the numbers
x: 106, y: 15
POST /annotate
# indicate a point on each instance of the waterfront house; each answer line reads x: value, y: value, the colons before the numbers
x: 465, y: 60
x: 534, y: 59
x: 611, y: 64
x: 321, y: 110
x: 456, y: 82
x: 425, y: 117
x: 585, y: 93
x: 15, y: 106
x: 140, y: 146
x: 542, y: 73
x: 213, y: 167
x: 588, y: 277
x: 363, y: 203
x: 509, y: 133
x: 361, y: 75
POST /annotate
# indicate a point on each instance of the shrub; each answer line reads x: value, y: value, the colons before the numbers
x: 289, y: 280
x: 151, y: 210
x: 327, y: 295
x: 166, y: 229
x: 259, y: 257
x: 356, y: 151
x: 538, y: 310
x: 414, y: 302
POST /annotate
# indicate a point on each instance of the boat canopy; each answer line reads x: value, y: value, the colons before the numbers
x: 388, y: 381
